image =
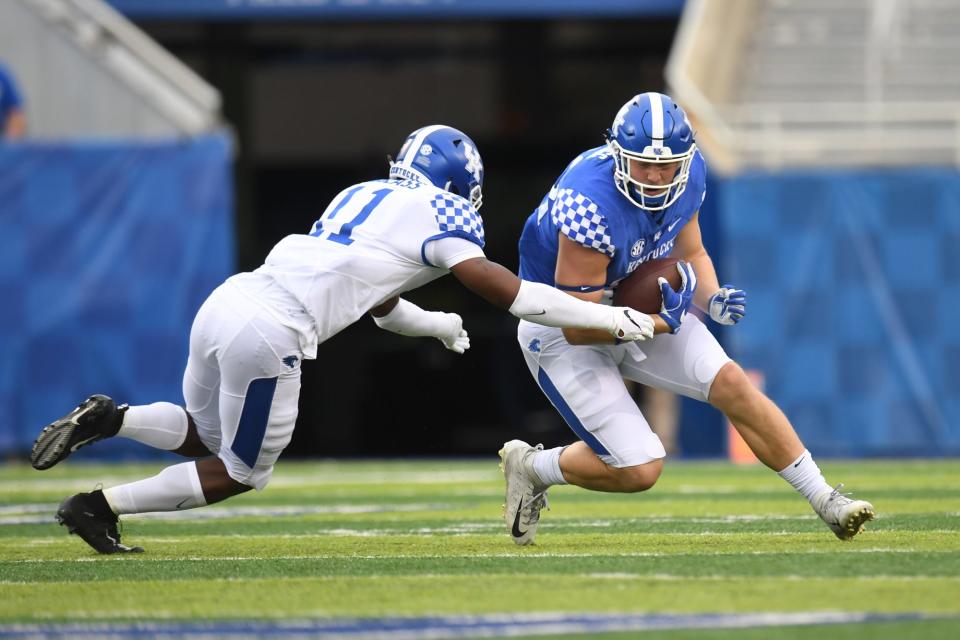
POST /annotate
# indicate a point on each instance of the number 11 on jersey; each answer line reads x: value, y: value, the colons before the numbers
x: 343, y: 235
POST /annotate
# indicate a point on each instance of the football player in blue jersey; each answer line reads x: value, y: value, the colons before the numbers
x: 375, y: 241
x: 614, y: 207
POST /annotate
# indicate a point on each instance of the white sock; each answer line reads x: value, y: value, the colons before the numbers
x: 805, y: 476
x: 174, y: 488
x: 546, y: 464
x: 161, y: 425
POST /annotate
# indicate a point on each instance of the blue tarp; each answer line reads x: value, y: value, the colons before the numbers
x: 107, y: 251
x: 853, y: 286
x: 853, y: 282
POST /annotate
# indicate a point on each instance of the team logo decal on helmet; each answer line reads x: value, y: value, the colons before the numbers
x: 445, y: 157
x: 651, y: 129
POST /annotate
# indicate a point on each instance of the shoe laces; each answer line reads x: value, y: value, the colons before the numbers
x: 526, y: 454
x: 527, y: 465
x: 839, y: 498
x: 532, y: 509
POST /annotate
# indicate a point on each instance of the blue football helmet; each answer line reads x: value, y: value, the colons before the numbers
x: 444, y: 156
x: 651, y: 128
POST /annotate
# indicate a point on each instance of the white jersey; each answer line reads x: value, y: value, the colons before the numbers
x: 375, y: 240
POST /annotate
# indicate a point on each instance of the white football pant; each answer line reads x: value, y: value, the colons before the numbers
x: 242, y: 383
x: 585, y: 383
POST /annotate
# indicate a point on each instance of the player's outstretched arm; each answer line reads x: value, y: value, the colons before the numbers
x: 407, y: 319
x: 548, y: 306
x: 581, y: 272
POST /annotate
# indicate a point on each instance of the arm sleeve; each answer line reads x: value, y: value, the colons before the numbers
x: 408, y: 319
x: 545, y: 305
x: 450, y: 251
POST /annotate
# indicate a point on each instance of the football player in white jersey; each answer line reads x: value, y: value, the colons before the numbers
x: 613, y: 208
x: 375, y: 241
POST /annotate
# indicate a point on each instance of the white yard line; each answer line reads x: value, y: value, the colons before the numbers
x: 501, y: 625
x: 438, y: 556
x: 306, y: 479
x: 219, y: 513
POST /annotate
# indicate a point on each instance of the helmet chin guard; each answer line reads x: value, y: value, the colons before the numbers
x: 651, y: 129
x: 445, y: 157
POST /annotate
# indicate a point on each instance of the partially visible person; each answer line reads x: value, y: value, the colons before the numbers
x: 13, y: 121
x: 375, y: 241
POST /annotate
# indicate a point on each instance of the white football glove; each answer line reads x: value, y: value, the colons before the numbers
x: 728, y: 305
x: 455, y: 338
x: 630, y: 325
x: 407, y: 319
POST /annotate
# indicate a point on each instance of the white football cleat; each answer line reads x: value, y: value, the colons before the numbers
x: 525, y: 495
x: 843, y: 515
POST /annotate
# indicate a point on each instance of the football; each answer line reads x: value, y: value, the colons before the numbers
x: 641, y: 291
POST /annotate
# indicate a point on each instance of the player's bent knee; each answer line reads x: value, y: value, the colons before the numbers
x: 640, y: 477
x: 192, y: 445
x: 729, y: 385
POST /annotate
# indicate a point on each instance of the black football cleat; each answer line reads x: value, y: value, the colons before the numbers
x: 96, y: 418
x: 92, y: 520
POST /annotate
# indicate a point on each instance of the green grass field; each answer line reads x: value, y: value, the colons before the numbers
x: 332, y: 541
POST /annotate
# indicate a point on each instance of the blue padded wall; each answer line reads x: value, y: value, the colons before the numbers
x: 107, y: 251
x: 853, y: 285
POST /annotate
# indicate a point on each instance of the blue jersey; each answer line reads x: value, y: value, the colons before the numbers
x: 585, y: 205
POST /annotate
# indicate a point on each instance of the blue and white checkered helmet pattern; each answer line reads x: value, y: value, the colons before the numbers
x: 445, y: 157
x: 651, y: 128
x: 577, y: 217
x: 457, y: 217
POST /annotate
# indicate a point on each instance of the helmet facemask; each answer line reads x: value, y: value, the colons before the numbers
x: 475, y: 196
x: 647, y: 196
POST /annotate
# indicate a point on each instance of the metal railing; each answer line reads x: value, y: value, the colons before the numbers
x: 788, y: 116
x: 165, y: 84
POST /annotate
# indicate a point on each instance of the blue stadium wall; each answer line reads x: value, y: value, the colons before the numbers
x: 853, y: 285
x: 853, y: 282
x: 107, y: 251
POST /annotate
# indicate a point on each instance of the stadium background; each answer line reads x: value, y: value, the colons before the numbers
x: 109, y: 246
